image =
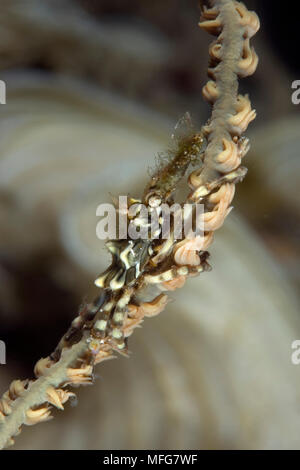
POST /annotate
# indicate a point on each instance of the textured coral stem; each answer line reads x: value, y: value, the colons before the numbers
x: 37, y: 392
x: 226, y: 81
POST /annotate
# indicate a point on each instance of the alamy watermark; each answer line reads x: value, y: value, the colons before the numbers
x: 295, y: 356
x: 2, y: 352
x: 2, y: 92
x: 296, y: 94
x: 156, y: 220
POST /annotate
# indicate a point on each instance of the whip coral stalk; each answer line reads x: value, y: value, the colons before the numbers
x: 103, y: 326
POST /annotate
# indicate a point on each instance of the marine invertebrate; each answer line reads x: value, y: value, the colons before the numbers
x: 103, y: 326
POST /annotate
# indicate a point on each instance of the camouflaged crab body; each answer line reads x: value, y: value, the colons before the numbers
x: 130, y: 258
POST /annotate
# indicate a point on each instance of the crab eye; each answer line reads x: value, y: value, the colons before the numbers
x: 154, y: 201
